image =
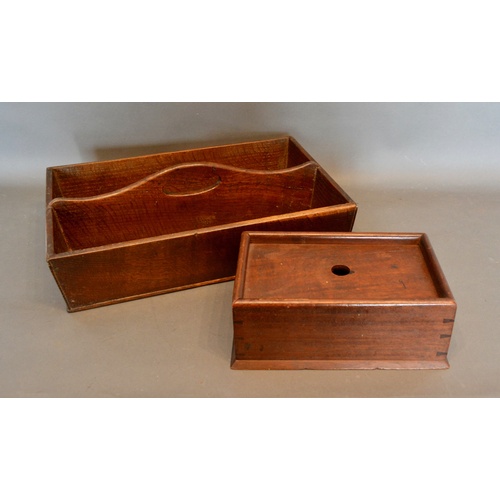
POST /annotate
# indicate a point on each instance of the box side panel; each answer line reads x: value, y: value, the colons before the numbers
x: 434, y: 267
x: 370, y: 336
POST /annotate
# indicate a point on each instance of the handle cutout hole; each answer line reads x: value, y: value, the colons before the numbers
x: 340, y: 270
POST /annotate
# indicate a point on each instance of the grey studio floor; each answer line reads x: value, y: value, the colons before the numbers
x: 179, y: 344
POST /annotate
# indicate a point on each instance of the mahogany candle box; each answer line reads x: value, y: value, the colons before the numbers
x: 309, y: 300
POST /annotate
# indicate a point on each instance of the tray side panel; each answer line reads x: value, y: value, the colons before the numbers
x: 324, y: 195
x: 95, y: 178
x: 296, y: 154
x: 128, y: 271
x: 96, y: 278
x: 281, y: 336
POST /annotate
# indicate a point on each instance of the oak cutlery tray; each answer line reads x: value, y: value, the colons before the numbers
x: 125, y: 229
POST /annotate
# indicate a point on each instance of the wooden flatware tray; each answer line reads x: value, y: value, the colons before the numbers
x: 125, y: 229
x: 340, y: 300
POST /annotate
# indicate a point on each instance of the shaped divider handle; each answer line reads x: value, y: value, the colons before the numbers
x: 191, y: 180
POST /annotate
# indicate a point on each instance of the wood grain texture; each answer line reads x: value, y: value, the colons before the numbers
x: 183, y: 198
x: 390, y: 307
x: 95, y: 178
x: 113, y: 235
